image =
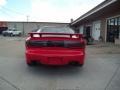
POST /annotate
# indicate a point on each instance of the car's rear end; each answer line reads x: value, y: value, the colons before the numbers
x: 55, y: 46
x: 55, y: 49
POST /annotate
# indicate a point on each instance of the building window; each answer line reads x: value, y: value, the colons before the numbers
x: 116, y: 21
x: 111, y: 21
x: 119, y: 26
x: 113, y: 29
x: 119, y: 21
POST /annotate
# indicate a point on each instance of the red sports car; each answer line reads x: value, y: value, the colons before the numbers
x: 55, y: 46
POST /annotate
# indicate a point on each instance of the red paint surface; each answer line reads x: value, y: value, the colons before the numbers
x: 55, y: 55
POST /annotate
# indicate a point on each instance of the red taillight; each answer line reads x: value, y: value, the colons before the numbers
x: 63, y: 44
x: 77, y: 45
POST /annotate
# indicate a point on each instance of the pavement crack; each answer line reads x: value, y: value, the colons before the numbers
x: 14, y: 86
x: 112, y: 77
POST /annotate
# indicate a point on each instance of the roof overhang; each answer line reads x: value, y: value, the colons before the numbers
x: 94, y: 10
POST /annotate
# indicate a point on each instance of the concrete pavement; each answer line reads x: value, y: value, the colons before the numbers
x: 100, y: 72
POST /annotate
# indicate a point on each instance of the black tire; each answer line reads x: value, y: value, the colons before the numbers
x: 31, y: 64
x: 11, y: 34
x: 4, y: 35
x: 79, y: 65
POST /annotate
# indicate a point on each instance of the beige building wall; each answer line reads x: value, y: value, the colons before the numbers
x: 103, y: 31
x: 27, y: 27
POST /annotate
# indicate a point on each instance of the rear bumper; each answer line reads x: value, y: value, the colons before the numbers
x: 55, y: 59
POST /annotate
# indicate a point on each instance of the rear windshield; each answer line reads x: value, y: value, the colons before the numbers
x: 56, y: 30
x: 54, y: 43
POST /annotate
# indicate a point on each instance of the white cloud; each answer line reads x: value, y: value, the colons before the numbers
x: 60, y: 10
x: 13, y: 17
x: 52, y: 10
x: 2, y: 2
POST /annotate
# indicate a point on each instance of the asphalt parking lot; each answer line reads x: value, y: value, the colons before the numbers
x: 100, y: 72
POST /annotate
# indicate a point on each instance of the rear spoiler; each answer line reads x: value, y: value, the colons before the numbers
x: 71, y: 35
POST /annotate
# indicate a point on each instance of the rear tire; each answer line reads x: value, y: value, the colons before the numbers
x: 76, y: 64
x: 79, y: 65
x: 4, y: 35
x: 31, y: 64
x: 11, y: 34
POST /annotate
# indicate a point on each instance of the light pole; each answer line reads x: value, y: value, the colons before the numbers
x: 28, y: 18
x: 23, y: 29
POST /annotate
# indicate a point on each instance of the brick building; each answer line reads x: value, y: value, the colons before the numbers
x: 101, y: 23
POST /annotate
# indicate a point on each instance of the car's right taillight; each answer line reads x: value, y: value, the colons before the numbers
x: 75, y: 44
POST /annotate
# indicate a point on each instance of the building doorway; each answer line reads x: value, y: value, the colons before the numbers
x: 88, y: 31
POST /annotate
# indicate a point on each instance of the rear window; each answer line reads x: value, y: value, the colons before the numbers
x: 56, y: 30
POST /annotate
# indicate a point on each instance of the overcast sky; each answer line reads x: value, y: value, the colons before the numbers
x: 44, y: 10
